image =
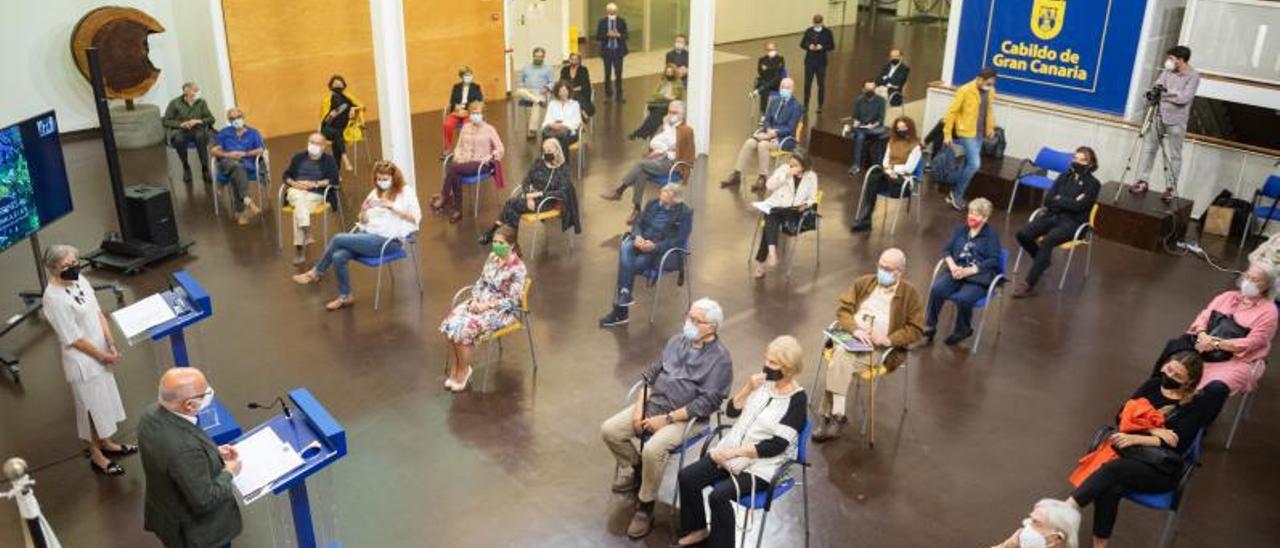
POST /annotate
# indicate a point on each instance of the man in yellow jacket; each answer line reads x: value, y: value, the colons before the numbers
x: 971, y: 111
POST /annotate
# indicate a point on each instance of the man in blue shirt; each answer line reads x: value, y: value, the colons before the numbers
x: 534, y: 87
x: 777, y: 130
x: 665, y: 223
x: 237, y: 149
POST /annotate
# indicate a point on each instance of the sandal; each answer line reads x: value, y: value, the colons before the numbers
x: 124, y: 450
x: 111, y: 469
x: 339, y: 303
x: 455, y: 216
x: 1138, y: 187
x: 308, y: 277
x: 437, y: 202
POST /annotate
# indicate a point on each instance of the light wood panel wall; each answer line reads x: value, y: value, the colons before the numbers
x: 443, y: 35
x: 284, y: 51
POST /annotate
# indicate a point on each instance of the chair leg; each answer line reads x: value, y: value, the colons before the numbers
x: 533, y: 248
x: 533, y: 356
x: 982, y: 323
x: 755, y: 240
x: 906, y: 384
x: 1167, y: 534
x: 413, y: 256
x: 325, y: 223
x: 1009, y: 211
x: 1244, y: 234
x: 1088, y: 256
x: 764, y: 518
x: 817, y: 377
x: 657, y: 296
x: 1017, y: 261
x: 817, y: 250
x: 280, y: 228
x: 1235, y: 423
x: 1062, y: 282
x: 804, y: 493
x: 488, y: 364
x: 377, y: 289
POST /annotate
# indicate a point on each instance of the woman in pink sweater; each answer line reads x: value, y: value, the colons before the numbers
x: 479, y: 149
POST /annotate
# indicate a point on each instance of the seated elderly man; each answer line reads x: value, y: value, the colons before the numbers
x: 534, y: 86
x: 779, y: 122
x: 237, y: 149
x: 690, y: 380
x: 664, y: 224
x: 188, y: 122
x: 882, y: 311
x: 309, y: 173
x: 672, y: 143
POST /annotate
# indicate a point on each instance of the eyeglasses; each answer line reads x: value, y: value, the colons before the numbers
x: 696, y: 320
x: 200, y: 396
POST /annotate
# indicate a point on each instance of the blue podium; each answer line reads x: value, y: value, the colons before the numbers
x: 320, y: 441
x: 190, y: 304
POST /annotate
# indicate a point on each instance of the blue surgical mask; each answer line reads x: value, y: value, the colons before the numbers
x: 885, y: 277
x: 784, y: 93
x: 476, y: 117
x: 690, y: 330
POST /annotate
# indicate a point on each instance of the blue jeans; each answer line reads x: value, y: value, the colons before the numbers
x: 963, y: 293
x: 631, y: 262
x: 972, y: 161
x: 343, y: 247
x: 860, y: 136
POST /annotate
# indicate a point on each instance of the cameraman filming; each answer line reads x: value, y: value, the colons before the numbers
x: 1174, y: 89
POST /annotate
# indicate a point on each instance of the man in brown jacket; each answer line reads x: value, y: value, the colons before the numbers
x: 882, y: 310
x: 671, y: 144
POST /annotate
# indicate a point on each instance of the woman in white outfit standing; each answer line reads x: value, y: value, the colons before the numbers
x: 88, y: 356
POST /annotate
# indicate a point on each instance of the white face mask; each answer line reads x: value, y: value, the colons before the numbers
x: 679, y: 45
x: 237, y: 123
x: 466, y: 79
x: 690, y: 330
x: 383, y: 183
x: 205, y: 401
x: 314, y: 150
x: 674, y: 119
x: 1249, y: 289
x: 1028, y: 537
x: 772, y: 53
x: 1169, y: 64
x: 817, y: 28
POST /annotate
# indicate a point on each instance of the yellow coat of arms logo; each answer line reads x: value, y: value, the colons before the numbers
x: 1046, y: 18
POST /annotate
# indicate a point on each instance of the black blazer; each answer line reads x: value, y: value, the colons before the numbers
x: 455, y: 96
x: 1072, y: 196
x: 190, y: 501
x: 581, y: 87
x: 897, y: 80
x: 602, y: 27
x: 769, y: 73
x: 823, y: 38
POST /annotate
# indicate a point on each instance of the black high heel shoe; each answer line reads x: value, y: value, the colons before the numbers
x: 112, y: 469
x: 124, y: 451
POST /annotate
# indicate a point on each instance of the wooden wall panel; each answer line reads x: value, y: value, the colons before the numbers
x: 442, y: 35
x: 283, y: 52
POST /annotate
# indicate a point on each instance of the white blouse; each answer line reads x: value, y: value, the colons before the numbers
x: 385, y: 223
x: 903, y: 169
x: 568, y: 113
x: 73, y: 313
x: 783, y: 191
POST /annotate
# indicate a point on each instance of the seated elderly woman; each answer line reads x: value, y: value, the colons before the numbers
x: 564, y: 115
x: 670, y: 88
x: 972, y: 257
x: 547, y: 178
x: 745, y: 459
x: 1233, y: 332
x: 793, y: 189
x: 389, y: 214
x: 1155, y: 428
x: 494, y: 303
x: 1051, y: 524
x: 479, y: 149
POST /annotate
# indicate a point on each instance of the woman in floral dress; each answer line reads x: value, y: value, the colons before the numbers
x: 494, y: 303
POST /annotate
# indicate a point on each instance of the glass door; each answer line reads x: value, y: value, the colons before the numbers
x: 667, y: 19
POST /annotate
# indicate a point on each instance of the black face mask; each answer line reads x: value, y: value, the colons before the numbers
x: 549, y: 157
x: 1080, y: 168
x: 901, y: 133
x: 894, y: 61
x: 1170, y: 383
x: 868, y: 92
x: 70, y: 273
x: 771, y: 374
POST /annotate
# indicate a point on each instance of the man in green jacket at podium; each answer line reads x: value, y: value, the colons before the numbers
x: 190, y: 500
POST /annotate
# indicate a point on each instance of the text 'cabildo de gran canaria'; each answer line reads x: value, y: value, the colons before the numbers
x: 1040, y: 59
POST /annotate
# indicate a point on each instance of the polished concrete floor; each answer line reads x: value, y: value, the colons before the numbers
x: 522, y: 465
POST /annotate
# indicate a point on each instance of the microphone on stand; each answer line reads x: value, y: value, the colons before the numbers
x: 288, y: 413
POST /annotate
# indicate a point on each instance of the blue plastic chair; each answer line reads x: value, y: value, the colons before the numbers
x: 910, y: 191
x: 1171, y: 500
x: 781, y: 482
x: 675, y: 260
x: 1047, y: 161
x: 260, y: 173
x: 482, y: 174
x: 672, y: 176
x: 408, y: 248
x: 1266, y: 213
x: 993, y: 291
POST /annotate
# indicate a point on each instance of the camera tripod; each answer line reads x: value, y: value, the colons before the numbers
x: 1151, y: 121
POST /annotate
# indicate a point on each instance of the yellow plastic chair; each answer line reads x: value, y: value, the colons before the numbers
x: 778, y: 155
x: 283, y: 208
x: 1083, y: 237
x: 546, y: 210
x: 871, y: 376
x: 523, y: 322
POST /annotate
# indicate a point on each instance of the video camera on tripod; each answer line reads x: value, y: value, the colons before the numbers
x: 1154, y: 94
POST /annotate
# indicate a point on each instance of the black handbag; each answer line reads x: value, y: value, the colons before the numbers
x: 1222, y: 326
x: 994, y: 147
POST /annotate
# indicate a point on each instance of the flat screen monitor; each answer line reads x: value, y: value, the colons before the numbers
x: 34, y: 191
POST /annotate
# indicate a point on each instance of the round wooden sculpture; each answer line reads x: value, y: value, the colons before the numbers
x: 120, y: 34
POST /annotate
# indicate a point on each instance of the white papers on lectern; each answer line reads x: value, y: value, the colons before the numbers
x: 264, y: 458
x: 138, y: 317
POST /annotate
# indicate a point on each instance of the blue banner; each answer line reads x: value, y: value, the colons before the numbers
x: 1078, y: 53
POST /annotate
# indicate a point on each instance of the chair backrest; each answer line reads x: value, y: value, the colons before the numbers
x: 919, y: 172
x: 524, y: 292
x: 1004, y: 260
x: 1271, y: 187
x: 802, y: 444
x: 1052, y: 160
x: 817, y: 198
x: 1093, y: 216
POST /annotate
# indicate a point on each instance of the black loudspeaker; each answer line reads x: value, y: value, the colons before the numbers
x: 150, y: 211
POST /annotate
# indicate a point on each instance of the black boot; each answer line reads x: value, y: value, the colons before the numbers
x: 487, y: 237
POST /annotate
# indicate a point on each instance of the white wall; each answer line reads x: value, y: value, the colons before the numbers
x: 199, y: 55
x: 35, y: 52
x: 738, y: 20
x: 1207, y: 168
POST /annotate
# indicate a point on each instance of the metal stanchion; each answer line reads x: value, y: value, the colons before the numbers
x: 36, y: 530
